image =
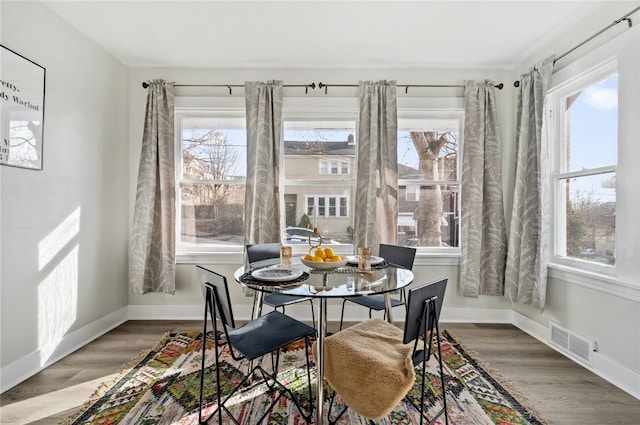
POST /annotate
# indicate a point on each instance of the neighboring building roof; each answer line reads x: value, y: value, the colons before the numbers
x: 295, y: 147
x: 405, y: 172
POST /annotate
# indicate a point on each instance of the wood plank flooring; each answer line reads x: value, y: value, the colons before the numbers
x: 563, y: 392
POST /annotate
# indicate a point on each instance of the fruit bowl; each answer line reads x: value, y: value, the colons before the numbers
x: 322, y: 265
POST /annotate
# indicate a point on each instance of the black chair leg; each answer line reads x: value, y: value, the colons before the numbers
x: 313, y: 314
x: 342, y: 412
x: 342, y: 314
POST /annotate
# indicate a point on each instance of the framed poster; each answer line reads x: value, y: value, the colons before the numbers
x: 22, y: 110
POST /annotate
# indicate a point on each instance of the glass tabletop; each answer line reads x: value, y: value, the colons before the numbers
x: 340, y: 282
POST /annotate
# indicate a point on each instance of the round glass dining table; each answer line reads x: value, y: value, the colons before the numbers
x: 340, y: 282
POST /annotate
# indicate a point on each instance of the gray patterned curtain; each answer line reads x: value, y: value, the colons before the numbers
x: 264, y: 138
x: 526, y: 275
x: 482, y: 227
x: 376, y: 208
x: 152, y: 255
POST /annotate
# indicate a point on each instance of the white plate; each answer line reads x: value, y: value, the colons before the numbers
x: 353, y: 259
x: 276, y: 274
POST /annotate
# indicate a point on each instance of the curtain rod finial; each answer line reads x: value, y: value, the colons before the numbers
x: 145, y: 85
x: 516, y: 83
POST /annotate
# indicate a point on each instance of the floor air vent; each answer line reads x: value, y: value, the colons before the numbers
x: 571, y: 343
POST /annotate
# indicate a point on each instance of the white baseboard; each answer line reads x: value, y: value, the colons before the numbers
x: 605, y: 367
x: 165, y: 312
x: 476, y: 315
x: 27, y: 366
x: 620, y: 376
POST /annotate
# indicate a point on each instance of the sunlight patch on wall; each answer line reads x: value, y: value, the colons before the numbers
x: 55, y: 241
x: 57, y: 301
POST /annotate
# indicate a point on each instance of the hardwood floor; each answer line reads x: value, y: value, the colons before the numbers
x: 563, y: 392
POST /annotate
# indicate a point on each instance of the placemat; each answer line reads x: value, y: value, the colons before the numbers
x: 250, y: 280
x: 383, y: 265
x: 349, y: 269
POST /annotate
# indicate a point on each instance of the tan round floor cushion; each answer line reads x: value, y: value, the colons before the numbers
x: 369, y: 367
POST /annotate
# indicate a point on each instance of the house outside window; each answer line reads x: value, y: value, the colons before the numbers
x: 319, y: 159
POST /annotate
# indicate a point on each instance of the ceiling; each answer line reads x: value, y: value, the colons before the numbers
x: 322, y: 34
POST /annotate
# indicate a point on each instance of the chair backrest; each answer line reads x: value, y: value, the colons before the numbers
x: 414, y: 326
x: 263, y: 251
x: 216, y: 292
x: 399, y: 256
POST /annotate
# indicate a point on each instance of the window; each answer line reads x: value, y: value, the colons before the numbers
x: 210, y: 181
x: 412, y: 193
x: 318, y: 176
x: 585, y: 175
x: 428, y: 180
x: 320, y: 200
x: 333, y: 167
x: 327, y: 206
x: 593, y: 127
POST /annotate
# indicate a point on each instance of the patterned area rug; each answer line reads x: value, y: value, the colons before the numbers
x: 163, y: 388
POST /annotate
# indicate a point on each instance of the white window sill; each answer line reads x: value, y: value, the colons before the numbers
x: 599, y: 282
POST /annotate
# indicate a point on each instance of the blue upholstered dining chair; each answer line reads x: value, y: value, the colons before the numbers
x: 397, y: 256
x: 267, y: 334
x: 267, y: 251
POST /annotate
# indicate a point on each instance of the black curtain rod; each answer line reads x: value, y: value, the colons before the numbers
x: 582, y: 43
x: 321, y: 85
x: 229, y: 86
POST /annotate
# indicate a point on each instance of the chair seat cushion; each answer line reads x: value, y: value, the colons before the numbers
x: 279, y: 300
x: 369, y: 367
x: 267, y: 333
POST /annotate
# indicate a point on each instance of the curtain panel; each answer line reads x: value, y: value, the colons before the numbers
x: 526, y: 272
x: 482, y: 227
x: 152, y: 252
x: 376, y: 207
x: 264, y: 137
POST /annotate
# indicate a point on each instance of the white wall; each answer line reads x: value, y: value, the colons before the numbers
x: 64, y: 229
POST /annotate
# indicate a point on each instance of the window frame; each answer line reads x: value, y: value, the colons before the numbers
x: 555, y: 111
x: 187, y: 112
x: 451, y: 111
x: 320, y: 110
